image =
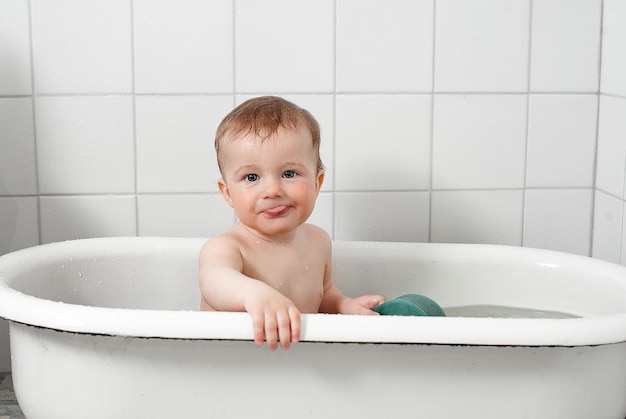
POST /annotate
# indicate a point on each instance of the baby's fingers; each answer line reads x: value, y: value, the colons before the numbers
x: 288, y: 327
x: 258, y: 328
x: 369, y: 301
x: 294, y: 316
x: 284, y: 330
x: 271, y: 333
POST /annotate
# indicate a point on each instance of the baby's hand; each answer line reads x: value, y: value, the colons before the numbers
x: 275, y: 318
x: 362, y: 304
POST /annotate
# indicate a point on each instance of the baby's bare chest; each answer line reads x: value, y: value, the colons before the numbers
x: 299, y: 276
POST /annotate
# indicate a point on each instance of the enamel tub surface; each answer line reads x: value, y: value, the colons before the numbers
x: 109, y: 328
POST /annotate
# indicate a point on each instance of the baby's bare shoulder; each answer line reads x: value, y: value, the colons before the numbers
x: 316, y: 232
x: 220, y: 240
x: 221, y: 247
x: 317, y: 235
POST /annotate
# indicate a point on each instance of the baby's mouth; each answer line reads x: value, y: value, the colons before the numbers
x: 276, y: 211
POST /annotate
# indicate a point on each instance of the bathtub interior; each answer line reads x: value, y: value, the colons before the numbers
x: 153, y: 274
x: 144, y: 277
x: 470, y: 274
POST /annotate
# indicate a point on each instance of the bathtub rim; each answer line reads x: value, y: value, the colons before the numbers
x: 18, y: 307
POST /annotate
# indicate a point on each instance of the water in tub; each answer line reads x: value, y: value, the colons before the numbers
x: 487, y: 310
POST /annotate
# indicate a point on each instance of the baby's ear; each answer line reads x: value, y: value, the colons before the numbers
x: 223, y: 187
x: 320, y: 180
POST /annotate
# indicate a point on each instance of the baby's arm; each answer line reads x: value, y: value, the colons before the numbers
x: 335, y: 302
x: 224, y: 287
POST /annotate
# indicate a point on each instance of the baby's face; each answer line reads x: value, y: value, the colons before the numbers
x: 271, y: 184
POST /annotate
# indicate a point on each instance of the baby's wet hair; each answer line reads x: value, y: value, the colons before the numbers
x: 263, y: 116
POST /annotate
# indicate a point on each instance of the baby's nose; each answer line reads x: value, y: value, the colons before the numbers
x: 272, y: 187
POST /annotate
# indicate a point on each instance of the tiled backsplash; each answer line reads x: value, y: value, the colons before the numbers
x: 609, y: 233
x: 442, y: 120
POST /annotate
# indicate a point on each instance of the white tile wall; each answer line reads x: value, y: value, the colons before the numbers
x: 174, y: 148
x: 383, y: 142
x: 482, y: 45
x: 75, y: 217
x: 479, y: 141
x: 372, y: 60
x: 17, y: 147
x: 442, y: 120
x: 608, y: 227
x: 559, y: 220
x: 169, y: 36
x: 85, y: 144
x: 18, y: 223
x: 612, y: 146
x: 609, y: 238
x: 201, y: 215
x: 368, y: 70
x: 557, y: 123
x: 284, y: 46
x: 324, y: 212
x: 489, y: 216
x: 614, y: 48
x: 565, y: 53
x: 82, y: 46
x: 362, y: 215
x: 15, y: 71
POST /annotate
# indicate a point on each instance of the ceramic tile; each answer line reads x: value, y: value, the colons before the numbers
x: 370, y: 60
x: 9, y: 408
x: 85, y: 144
x: 608, y: 225
x: 559, y: 220
x: 284, y: 46
x: 481, y: 45
x: 492, y: 217
x: 5, y: 352
x: 19, y: 224
x: 561, y: 140
x: 479, y: 141
x: 15, y: 71
x: 97, y: 61
x: 382, y: 216
x: 324, y: 213
x: 175, y: 137
x: 611, y: 155
x: 614, y: 47
x: 565, y: 50
x: 382, y: 142
x: 17, y: 147
x: 78, y: 217
x: 183, y: 46
x: 182, y: 215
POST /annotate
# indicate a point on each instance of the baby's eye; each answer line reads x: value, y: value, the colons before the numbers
x: 252, y: 177
x: 290, y: 174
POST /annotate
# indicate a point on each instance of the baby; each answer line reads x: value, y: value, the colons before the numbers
x: 271, y: 263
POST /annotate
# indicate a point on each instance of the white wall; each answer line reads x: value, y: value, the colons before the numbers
x: 443, y: 120
x: 609, y: 237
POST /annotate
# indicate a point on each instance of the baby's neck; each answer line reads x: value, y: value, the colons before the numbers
x: 279, y: 239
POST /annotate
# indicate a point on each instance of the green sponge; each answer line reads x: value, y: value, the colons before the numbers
x: 410, y: 305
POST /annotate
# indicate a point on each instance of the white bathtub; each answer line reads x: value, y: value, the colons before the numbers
x: 108, y: 328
